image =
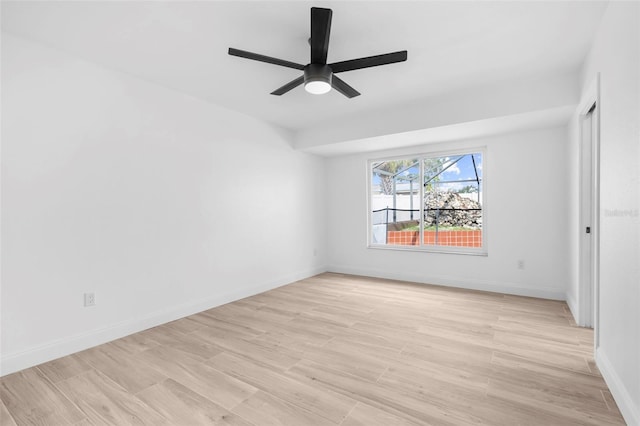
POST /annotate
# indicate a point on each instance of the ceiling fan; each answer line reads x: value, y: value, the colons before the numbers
x: 319, y: 77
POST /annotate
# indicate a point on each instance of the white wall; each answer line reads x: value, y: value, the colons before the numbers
x: 471, y: 106
x: 525, y: 200
x: 112, y: 185
x: 615, y: 54
x: 573, y: 213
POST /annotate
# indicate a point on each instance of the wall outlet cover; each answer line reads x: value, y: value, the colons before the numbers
x: 89, y: 299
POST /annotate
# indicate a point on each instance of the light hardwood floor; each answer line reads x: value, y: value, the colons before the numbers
x: 332, y: 350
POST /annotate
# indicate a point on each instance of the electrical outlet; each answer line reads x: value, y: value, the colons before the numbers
x: 89, y: 299
x: 520, y: 264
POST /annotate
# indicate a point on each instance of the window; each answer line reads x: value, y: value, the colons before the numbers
x: 428, y: 202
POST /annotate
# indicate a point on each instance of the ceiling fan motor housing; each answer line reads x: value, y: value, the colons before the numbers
x: 317, y: 72
x: 317, y: 78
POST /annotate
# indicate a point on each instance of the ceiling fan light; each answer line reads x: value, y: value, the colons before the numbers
x: 317, y: 79
x: 317, y: 87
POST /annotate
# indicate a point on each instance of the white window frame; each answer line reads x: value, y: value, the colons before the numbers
x: 475, y: 251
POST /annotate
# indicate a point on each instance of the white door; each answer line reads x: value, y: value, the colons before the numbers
x: 588, y: 230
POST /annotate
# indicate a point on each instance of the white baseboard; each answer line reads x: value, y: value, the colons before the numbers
x: 13, y: 362
x: 450, y: 281
x: 629, y: 408
x: 573, y: 307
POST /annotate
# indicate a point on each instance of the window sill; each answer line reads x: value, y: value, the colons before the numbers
x: 426, y: 249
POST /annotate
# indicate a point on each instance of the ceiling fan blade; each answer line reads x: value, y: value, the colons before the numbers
x: 290, y: 85
x: 343, y: 87
x: 263, y: 58
x: 320, y: 29
x: 369, y: 61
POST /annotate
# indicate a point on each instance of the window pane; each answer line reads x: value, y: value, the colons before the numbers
x: 452, y: 200
x: 395, y: 198
x: 428, y: 201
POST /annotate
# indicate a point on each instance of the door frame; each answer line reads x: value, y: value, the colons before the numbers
x: 589, y: 296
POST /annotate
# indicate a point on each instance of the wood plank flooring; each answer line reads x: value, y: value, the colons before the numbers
x: 332, y: 350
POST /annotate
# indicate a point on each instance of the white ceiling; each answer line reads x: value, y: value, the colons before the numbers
x: 183, y: 45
